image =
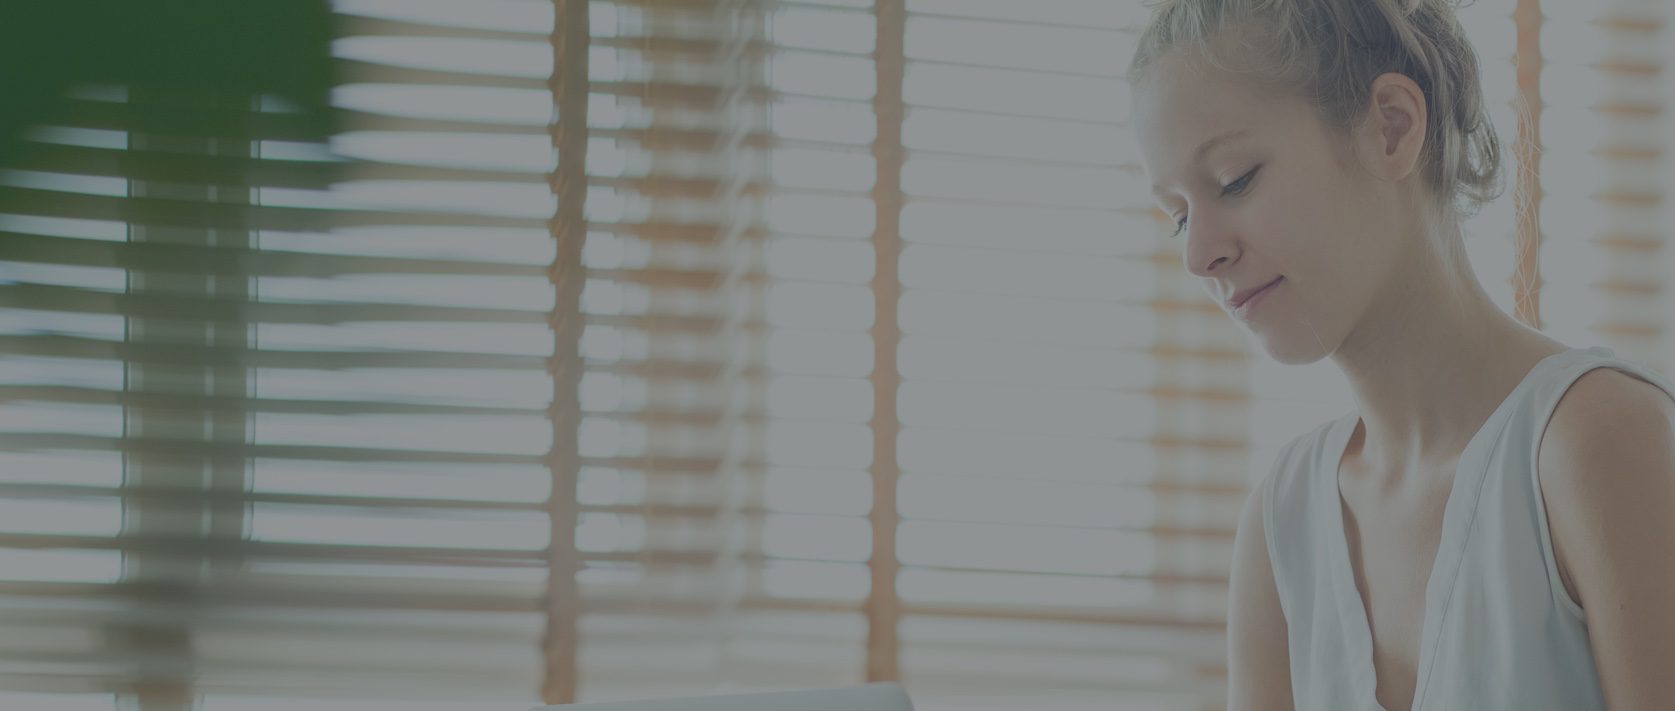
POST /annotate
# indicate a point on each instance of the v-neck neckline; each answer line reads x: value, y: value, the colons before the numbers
x: 1457, y: 517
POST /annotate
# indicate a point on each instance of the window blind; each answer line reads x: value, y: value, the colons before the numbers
x: 1072, y: 410
x: 1605, y: 132
x: 269, y: 440
x: 905, y: 243
x: 662, y: 347
x: 1004, y: 158
x: 724, y: 438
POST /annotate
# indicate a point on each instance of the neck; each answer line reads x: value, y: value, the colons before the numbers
x: 1431, y: 360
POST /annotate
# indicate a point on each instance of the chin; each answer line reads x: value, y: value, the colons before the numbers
x: 1291, y: 348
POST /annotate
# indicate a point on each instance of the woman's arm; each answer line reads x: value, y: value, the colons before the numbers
x: 1259, y: 662
x: 1607, y: 471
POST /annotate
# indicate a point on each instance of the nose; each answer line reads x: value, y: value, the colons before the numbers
x: 1209, y: 243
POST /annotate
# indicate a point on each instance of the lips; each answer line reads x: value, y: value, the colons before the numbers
x: 1239, y: 298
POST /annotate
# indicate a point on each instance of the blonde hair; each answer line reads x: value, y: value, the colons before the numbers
x: 1329, y: 52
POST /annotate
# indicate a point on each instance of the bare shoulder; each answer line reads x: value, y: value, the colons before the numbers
x: 1603, y: 413
x: 1607, y: 470
x: 1608, y: 448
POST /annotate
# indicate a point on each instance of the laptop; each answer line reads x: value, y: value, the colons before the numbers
x: 870, y: 697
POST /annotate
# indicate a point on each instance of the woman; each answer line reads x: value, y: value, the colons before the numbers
x: 1493, y: 527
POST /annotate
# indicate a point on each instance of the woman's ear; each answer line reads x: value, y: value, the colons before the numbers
x: 1392, y: 136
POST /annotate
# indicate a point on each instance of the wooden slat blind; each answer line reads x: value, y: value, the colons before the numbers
x: 1604, y: 216
x: 265, y: 440
x: 1066, y: 487
x: 725, y: 399
x: 662, y: 347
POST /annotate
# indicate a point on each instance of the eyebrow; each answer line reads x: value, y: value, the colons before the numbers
x: 1205, y: 147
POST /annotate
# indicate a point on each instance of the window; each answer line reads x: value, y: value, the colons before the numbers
x: 660, y: 348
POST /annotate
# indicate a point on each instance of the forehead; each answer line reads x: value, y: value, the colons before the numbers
x: 1180, y: 103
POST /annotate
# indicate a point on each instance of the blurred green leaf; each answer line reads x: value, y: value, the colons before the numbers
x: 191, y: 67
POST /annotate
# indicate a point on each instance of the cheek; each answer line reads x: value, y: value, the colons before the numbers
x: 1286, y: 213
x: 1316, y: 207
x: 1303, y: 229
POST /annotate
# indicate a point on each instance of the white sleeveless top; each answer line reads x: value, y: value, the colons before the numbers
x: 1500, y: 631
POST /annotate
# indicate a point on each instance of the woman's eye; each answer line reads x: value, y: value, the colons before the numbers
x: 1237, y: 187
